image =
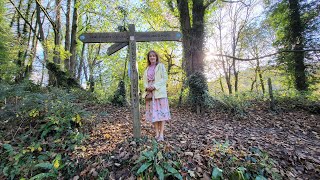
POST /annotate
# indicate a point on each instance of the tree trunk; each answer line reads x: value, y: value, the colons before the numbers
x: 13, y: 18
x: 81, y: 62
x: 221, y: 85
x: 227, y: 76
x: 253, y: 82
x: 67, y: 37
x: 73, y: 40
x: 198, y: 11
x: 236, y: 75
x: 297, y: 40
x: 41, y: 33
x: 272, y: 103
x: 20, y: 63
x: 184, y: 18
x: 27, y: 68
x: 34, y: 46
x: 57, y: 33
x: 181, y: 92
x: 225, y: 63
x: 260, y: 76
x: 91, y: 69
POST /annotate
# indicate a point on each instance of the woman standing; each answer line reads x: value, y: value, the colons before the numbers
x: 157, y: 107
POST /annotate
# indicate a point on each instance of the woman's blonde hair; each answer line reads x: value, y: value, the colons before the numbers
x: 157, y: 56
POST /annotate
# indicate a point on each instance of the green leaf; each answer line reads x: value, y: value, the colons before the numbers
x: 8, y: 147
x: 5, y: 171
x: 143, y: 167
x: 260, y: 178
x: 237, y: 175
x: 160, y: 172
x: 42, y: 176
x: 141, y: 158
x: 172, y: 170
x: 149, y: 154
x: 216, y: 173
x: 159, y: 155
x: 44, y: 165
x: 241, y: 168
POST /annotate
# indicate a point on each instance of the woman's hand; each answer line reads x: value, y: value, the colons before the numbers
x: 151, y: 88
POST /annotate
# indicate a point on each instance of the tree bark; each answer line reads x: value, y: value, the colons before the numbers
x: 26, y: 41
x: 259, y: 72
x: 73, y: 40
x: 198, y: 11
x: 91, y: 69
x: 20, y: 63
x: 42, y: 38
x: 67, y: 37
x: 81, y: 63
x: 184, y: 18
x: 34, y: 46
x: 297, y: 40
x: 57, y: 33
x: 221, y: 85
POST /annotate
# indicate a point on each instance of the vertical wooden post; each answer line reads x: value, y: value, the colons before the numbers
x: 134, y: 83
x: 272, y: 105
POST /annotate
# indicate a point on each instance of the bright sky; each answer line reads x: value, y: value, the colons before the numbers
x: 214, y: 68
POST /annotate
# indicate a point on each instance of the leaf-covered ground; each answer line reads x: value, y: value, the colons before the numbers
x: 291, y: 137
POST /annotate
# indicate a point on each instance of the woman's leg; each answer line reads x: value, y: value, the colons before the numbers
x: 156, y: 128
x: 161, y: 129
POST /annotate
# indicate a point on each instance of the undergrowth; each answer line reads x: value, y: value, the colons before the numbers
x: 40, y: 127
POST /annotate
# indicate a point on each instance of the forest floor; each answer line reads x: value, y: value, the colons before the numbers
x: 290, y: 137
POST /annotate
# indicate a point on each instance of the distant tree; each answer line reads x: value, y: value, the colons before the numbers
x: 293, y: 21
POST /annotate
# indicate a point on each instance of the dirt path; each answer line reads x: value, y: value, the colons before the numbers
x: 291, y: 138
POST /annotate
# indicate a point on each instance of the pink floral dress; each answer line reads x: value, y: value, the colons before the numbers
x: 156, y: 109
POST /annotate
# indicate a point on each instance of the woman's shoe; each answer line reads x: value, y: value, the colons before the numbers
x: 160, y: 138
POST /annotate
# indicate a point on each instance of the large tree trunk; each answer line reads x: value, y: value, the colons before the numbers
x: 297, y: 40
x: 57, y: 33
x: 73, y: 40
x: 198, y: 11
x: 192, y: 42
x: 67, y: 37
x: 193, y: 35
x: 186, y: 32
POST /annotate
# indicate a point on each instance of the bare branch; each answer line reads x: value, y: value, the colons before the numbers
x: 47, y: 15
x: 209, y: 3
x: 236, y: 2
x: 33, y: 30
x: 251, y: 59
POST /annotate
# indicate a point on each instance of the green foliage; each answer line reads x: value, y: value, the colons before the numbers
x: 293, y: 99
x: 119, y: 97
x: 8, y: 67
x: 156, y: 162
x: 296, y: 28
x: 198, y: 90
x: 240, y: 165
x: 50, y: 122
x: 235, y: 104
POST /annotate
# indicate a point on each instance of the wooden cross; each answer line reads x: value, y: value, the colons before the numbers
x: 122, y: 39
